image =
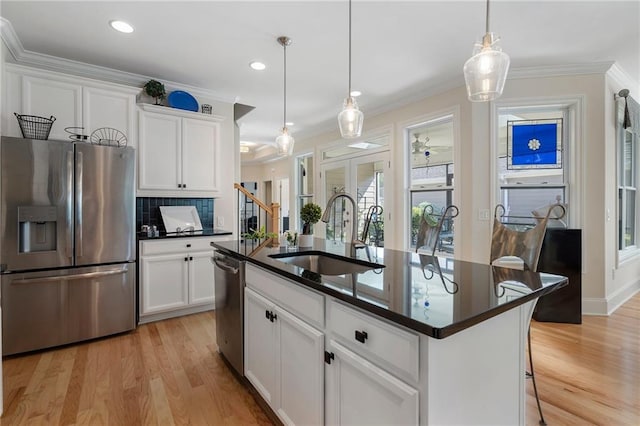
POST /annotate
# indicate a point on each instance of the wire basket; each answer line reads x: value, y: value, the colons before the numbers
x: 108, y: 136
x: 34, y: 127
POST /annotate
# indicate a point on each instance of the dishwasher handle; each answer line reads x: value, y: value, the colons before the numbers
x: 225, y: 266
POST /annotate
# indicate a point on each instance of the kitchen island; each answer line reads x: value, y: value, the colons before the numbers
x: 389, y: 344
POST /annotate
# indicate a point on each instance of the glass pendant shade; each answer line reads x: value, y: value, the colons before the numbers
x: 284, y: 143
x: 350, y: 119
x: 486, y: 71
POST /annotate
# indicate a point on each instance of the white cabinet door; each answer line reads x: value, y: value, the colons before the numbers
x: 201, y: 278
x: 260, y: 345
x: 109, y: 108
x: 45, y: 97
x: 164, y: 283
x: 200, y: 140
x: 159, y: 152
x: 300, y: 371
x: 359, y: 393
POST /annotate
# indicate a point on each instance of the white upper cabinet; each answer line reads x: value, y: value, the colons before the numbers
x: 46, y: 97
x: 108, y: 108
x: 179, y: 153
x: 160, y: 152
x: 73, y: 101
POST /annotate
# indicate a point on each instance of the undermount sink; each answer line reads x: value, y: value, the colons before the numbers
x: 325, y: 263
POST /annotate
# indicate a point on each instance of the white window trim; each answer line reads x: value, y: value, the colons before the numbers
x: 573, y: 149
x: 630, y: 253
x: 404, y: 222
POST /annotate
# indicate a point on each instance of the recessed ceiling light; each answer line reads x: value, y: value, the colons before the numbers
x: 356, y: 93
x: 121, y: 26
x: 258, y: 66
x: 289, y: 123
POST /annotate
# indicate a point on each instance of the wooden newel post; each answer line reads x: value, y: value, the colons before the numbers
x: 275, y: 223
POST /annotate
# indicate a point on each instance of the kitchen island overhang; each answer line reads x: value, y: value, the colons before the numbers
x: 483, y: 291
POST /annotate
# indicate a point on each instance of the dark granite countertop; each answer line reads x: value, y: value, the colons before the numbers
x: 210, y: 232
x: 454, y: 297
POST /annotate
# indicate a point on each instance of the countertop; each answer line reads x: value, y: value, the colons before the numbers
x: 188, y: 234
x: 456, y: 296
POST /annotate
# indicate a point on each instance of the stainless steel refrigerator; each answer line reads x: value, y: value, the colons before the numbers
x: 67, y: 257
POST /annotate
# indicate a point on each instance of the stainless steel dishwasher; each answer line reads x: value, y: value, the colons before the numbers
x: 229, y: 291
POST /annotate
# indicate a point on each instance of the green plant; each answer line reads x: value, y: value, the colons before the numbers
x: 309, y: 214
x: 292, y: 237
x: 155, y: 89
x: 259, y: 234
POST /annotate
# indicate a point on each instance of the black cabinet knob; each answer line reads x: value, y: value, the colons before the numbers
x: 190, y: 257
x: 186, y: 259
x: 188, y: 245
x: 361, y: 336
x: 266, y: 314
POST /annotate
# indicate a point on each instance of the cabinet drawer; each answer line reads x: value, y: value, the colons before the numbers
x: 179, y: 245
x: 392, y: 347
x: 303, y: 303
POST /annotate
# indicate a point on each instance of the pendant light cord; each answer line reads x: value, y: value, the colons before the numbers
x: 349, y: 93
x: 284, y: 115
x: 487, y: 20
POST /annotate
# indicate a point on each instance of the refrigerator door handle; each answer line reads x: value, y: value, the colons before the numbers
x: 79, y: 170
x: 69, y: 208
x: 72, y: 276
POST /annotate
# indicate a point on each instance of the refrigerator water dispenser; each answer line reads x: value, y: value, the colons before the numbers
x: 37, y: 230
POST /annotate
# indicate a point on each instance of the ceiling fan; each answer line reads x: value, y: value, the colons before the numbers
x: 421, y: 146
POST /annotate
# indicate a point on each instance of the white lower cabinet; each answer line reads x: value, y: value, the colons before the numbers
x: 284, y: 361
x: 176, y: 277
x: 360, y: 393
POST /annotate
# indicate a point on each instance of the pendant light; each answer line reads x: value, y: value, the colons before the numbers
x: 486, y: 71
x: 350, y: 118
x: 284, y: 142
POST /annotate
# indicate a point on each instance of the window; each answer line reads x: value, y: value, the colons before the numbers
x: 532, y: 163
x: 304, y: 193
x: 628, y: 179
x: 431, y: 173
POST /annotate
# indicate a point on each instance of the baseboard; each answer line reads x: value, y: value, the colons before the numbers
x: 594, y: 306
x: 607, y: 306
x: 619, y: 297
x: 144, y: 319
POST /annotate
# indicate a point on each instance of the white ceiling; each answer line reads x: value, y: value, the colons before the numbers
x: 401, y: 49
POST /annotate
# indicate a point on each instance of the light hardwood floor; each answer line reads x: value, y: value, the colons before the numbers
x: 168, y: 373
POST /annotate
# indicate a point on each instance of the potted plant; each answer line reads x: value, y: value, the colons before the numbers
x: 309, y: 214
x: 155, y: 89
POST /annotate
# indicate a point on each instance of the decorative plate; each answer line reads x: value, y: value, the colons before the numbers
x: 182, y: 100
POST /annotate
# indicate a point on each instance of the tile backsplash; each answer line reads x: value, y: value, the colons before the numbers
x: 148, y: 210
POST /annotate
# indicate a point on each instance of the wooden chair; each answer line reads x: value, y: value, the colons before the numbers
x: 525, y: 245
x: 429, y: 241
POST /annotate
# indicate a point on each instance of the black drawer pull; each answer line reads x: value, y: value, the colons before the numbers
x: 361, y: 336
x: 188, y: 245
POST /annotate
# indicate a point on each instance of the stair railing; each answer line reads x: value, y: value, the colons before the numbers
x: 272, y: 211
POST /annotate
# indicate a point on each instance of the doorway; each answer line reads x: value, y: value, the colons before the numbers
x: 363, y: 179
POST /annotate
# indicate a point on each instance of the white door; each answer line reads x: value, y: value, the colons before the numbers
x: 164, y: 283
x: 200, y: 140
x: 362, y: 178
x: 300, y: 371
x: 360, y: 393
x: 260, y: 345
x: 159, y: 152
x: 201, y: 276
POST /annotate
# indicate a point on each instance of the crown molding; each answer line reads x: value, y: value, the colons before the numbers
x: 621, y: 77
x: 559, y: 70
x: 21, y: 56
